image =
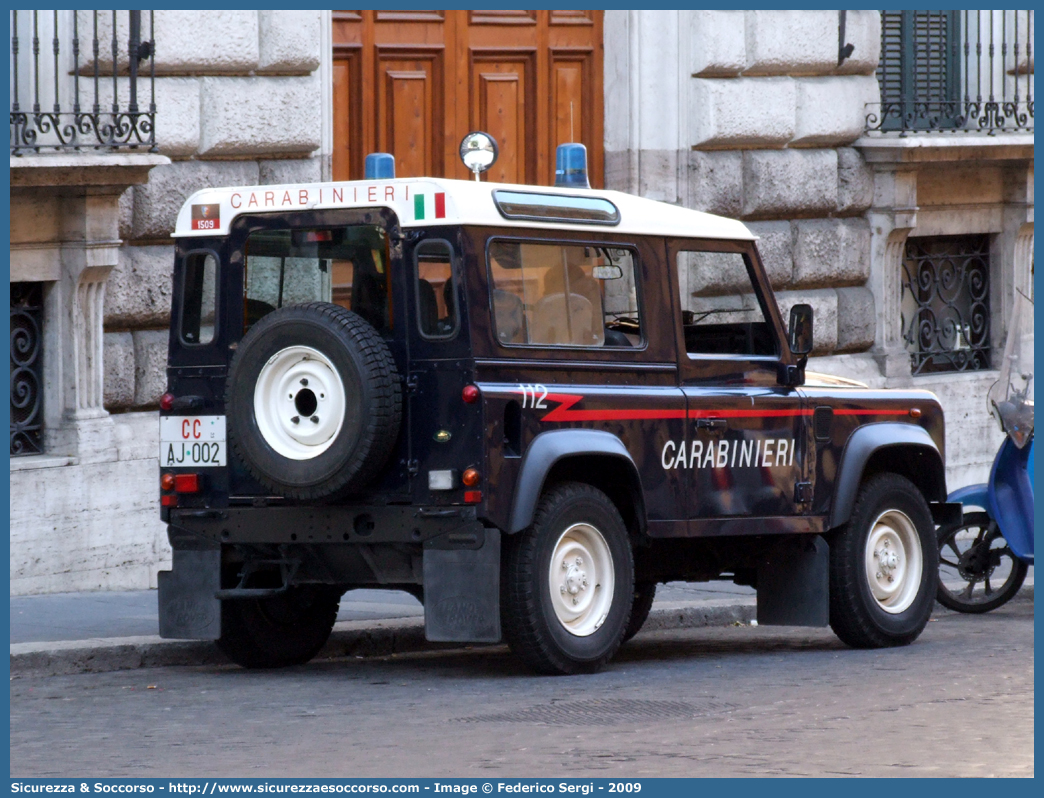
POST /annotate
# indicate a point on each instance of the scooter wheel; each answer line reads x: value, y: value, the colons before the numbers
x: 978, y: 571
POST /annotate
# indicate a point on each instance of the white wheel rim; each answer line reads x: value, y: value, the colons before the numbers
x: 581, y: 579
x: 292, y: 382
x: 893, y: 561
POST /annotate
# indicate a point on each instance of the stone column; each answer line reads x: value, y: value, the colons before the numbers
x: 1024, y: 259
x: 87, y: 326
x: 65, y: 233
x: 326, y: 79
x: 1016, y: 243
x: 892, y: 217
x: 645, y: 94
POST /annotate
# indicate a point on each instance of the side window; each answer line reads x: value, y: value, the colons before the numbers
x: 721, y: 314
x: 436, y: 297
x: 564, y: 294
x: 198, y: 298
x: 347, y: 266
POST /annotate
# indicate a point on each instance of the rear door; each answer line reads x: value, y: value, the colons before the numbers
x: 445, y: 432
x: 745, y: 446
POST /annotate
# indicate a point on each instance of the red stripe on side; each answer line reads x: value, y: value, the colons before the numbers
x: 440, y: 205
x: 565, y: 413
x: 566, y: 401
x: 750, y: 413
x: 613, y: 415
x: 871, y: 412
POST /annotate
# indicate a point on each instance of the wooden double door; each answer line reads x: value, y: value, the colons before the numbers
x: 414, y: 83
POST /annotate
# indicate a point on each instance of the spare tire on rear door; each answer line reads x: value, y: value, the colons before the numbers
x: 313, y: 401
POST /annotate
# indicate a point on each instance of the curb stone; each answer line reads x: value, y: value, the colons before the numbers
x: 349, y: 639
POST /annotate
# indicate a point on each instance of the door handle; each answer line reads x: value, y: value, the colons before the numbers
x: 713, y: 424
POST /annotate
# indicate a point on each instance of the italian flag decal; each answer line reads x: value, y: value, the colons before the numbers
x: 429, y: 206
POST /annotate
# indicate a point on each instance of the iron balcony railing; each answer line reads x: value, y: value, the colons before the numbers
x: 954, y: 71
x: 78, y: 80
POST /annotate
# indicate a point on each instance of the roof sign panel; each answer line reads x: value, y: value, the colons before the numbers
x: 555, y: 208
x: 429, y: 202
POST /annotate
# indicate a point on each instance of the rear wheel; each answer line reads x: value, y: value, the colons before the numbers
x: 884, y: 566
x: 274, y: 632
x: 644, y: 594
x: 568, y: 582
x: 978, y: 571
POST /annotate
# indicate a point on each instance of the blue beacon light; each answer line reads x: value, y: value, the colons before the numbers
x: 380, y: 166
x: 571, y: 166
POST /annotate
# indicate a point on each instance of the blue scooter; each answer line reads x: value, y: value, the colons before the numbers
x: 983, y: 560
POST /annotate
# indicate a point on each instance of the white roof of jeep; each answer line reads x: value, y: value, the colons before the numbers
x: 211, y: 211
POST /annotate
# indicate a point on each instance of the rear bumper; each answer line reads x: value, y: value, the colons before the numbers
x: 335, y: 524
x: 446, y: 549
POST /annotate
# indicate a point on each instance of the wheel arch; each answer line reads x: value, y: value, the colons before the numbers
x: 580, y: 455
x: 904, y: 449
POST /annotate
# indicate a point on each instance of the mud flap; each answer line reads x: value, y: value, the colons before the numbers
x: 794, y: 586
x: 462, y: 587
x: 187, y: 607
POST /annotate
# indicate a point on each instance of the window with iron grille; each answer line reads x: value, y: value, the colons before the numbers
x: 946, y: 303
x: 954, y: 71
x: 26, y: 368
x: 918, y: 71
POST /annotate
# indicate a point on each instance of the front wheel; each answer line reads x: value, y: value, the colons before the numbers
x: 567, y: 582
x: 884, y: 566
x: 978, y: 571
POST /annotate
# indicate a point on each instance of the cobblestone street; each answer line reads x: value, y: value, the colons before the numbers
x: 702, y: 702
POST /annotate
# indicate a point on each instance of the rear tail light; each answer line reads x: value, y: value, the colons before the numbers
x: 470, y: 477
x: 167, y: 482
x: 472, y: 497
x: 186, y: 483
x: 470, y: 394
x: 170, y: 500
x: 167, y: 401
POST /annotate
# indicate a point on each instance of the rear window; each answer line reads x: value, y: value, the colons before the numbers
x: 198, y: 298
x: 564, y: 295
x: 436, y: 296
x: 346, y: 265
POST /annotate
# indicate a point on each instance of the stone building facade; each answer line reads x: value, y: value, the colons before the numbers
x: 241, y: 98
x: 754, y: 115
x: 749, y: 114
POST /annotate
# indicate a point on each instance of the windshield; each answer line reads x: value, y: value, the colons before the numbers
x: 1011, y: 397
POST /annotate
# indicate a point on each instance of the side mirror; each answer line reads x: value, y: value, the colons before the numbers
x: 801, y: 329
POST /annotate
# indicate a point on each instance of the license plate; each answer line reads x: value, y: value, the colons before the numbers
x: 192, y: 441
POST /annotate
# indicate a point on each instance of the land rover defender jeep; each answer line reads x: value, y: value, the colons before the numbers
x: 527, y: 406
